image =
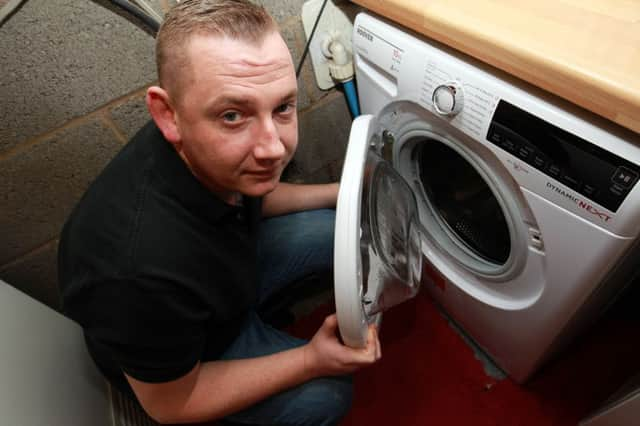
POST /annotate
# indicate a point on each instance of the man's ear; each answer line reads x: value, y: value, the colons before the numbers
x: 163, y: 113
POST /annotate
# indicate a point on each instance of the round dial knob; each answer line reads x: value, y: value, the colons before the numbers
x: 447, y: 99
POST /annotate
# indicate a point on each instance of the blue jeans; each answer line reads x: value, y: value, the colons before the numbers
x: 291, y: 247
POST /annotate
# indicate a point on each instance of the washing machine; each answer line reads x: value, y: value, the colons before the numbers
x: 517, y: 212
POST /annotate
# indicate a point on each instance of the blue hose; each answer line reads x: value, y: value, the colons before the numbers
x: 352, y: 97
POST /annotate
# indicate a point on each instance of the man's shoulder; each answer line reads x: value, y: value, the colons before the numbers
x: 102, y: 223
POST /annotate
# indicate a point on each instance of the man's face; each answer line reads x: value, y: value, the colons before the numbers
x: 236, y: 116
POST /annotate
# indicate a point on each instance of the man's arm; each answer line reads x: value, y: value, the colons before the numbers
x: 215, y: 389
x: 289, y: 197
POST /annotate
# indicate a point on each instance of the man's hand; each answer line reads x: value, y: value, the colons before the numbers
x: 325, y: 355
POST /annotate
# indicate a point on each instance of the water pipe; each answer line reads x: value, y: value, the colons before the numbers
x: 352, y: 97
x: 341, y: 70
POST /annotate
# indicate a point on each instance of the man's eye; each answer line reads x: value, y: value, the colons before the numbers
x: 285, y: 108
x: 231, y: 116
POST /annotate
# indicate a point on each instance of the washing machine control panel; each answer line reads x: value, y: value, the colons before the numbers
x: 587, y: 169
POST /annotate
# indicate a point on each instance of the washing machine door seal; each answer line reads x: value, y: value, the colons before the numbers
x: 377, y: 247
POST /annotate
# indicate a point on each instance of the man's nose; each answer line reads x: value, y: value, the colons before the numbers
x: 269, y: 145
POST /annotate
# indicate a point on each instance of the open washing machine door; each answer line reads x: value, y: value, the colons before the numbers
x: 377, y: 246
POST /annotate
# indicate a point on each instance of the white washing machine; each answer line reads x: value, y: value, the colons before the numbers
x: 518, y: 212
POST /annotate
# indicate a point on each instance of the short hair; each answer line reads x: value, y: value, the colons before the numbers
x: 236, y: 19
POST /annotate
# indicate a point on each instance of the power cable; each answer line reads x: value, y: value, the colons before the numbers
x: 148, y: 9
x: 306, y: 47
x: 9, y: 9
x: 146, y: 19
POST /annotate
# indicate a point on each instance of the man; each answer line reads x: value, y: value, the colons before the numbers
x: 171, y: 251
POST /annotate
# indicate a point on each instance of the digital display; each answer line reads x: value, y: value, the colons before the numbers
x: 581, y: 165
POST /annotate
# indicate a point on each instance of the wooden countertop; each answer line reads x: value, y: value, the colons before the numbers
x: 586, y: 51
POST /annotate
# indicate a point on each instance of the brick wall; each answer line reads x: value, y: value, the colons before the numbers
x: 72, y: 87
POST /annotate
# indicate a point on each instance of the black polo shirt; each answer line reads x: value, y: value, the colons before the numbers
x: 157, y: 270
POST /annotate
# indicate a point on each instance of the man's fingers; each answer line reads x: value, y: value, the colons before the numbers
x: 331, y: 321
x: 376, y: 339
x: 330, y: 325
x: 372, y: 351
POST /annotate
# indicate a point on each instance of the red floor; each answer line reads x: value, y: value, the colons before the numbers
x: 429, y: 376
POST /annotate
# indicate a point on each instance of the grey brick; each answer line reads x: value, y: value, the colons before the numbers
x: 36, y: 275
x: 40, y: 185
x: 63, y: 59
x: 324, y: 133
x: 308, y: 89
x: 131, y: 115
x: 291, y: 35
x: 293, y: 173
x: 329, y: 172
x: 281, y: 10
x: 307, y: 83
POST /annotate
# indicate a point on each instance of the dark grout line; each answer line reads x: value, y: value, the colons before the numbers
x: 39, y: 249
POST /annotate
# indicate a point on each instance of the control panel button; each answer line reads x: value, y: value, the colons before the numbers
x: 448, y: 99
x: 554, y: 170
x: 525, y: 152
x: 509, y: 144
x: 589, y: 190
x: 495, y: 136
x: 538, y: 161
x: 624, y: 177
x: 617, y: 190
x: 570, y: 181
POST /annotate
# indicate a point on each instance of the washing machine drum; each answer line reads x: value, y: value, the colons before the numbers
x: 462, y: 203
x: 377, y: 257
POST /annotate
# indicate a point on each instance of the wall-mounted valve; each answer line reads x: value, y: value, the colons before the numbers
x: 338, y: 58
x: 330, y: 47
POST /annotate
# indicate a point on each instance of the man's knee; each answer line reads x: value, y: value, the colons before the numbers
x: 324, y: 401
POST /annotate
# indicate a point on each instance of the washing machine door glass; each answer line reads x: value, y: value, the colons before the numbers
x: 377, y: 257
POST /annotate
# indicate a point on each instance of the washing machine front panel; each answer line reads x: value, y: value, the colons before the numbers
x: 377, y: 249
